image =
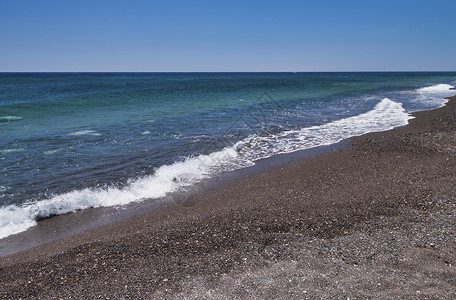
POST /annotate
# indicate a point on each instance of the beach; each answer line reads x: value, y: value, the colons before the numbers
x: 374, y: 218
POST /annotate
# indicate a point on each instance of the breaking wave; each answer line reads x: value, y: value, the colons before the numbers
x: 386, y: 115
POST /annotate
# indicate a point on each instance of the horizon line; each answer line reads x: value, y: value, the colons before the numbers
x: 362, y: 71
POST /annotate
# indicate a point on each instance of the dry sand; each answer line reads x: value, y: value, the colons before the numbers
x: 376, y: 220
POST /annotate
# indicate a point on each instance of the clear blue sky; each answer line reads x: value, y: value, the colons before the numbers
x: 230, y: 35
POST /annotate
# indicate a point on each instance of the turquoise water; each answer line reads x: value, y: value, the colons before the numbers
x: 73, y: 141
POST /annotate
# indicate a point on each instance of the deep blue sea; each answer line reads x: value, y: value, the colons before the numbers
x: 70, y: 141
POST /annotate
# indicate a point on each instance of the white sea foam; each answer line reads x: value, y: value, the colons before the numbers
x: 50, y: 152
x: 169, y: 178
x: 86, y: 132
x: 386, y: 115
x: 432, y: 96
x: 438, y: 88
x: 10, y: 118
x: 7, y: 151
x: 14, y: 219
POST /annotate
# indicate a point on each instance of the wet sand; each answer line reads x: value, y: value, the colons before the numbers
x: 375, y: 220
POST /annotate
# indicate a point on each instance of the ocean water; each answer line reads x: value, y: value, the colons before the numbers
x: 75, y: 141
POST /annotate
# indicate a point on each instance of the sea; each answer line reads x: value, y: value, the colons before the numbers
x: 75, y: 141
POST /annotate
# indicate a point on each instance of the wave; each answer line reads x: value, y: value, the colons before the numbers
x: 438, y: 88
x: 50, y: 152
x: 86, y: 132
x: 7, y: 151
x: 386, y: 115
x: 8, y: 119
x: 431, y: 96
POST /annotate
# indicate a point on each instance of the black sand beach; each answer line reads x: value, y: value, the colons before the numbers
x: 375, y: 220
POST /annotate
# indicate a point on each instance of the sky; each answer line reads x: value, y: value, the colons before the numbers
x: 226, y: 36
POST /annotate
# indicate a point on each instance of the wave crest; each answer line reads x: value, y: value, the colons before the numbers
x: 438, y: 88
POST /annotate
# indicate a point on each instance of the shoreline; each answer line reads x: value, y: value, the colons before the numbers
x: 346, y: 216
x: 55, y: 228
